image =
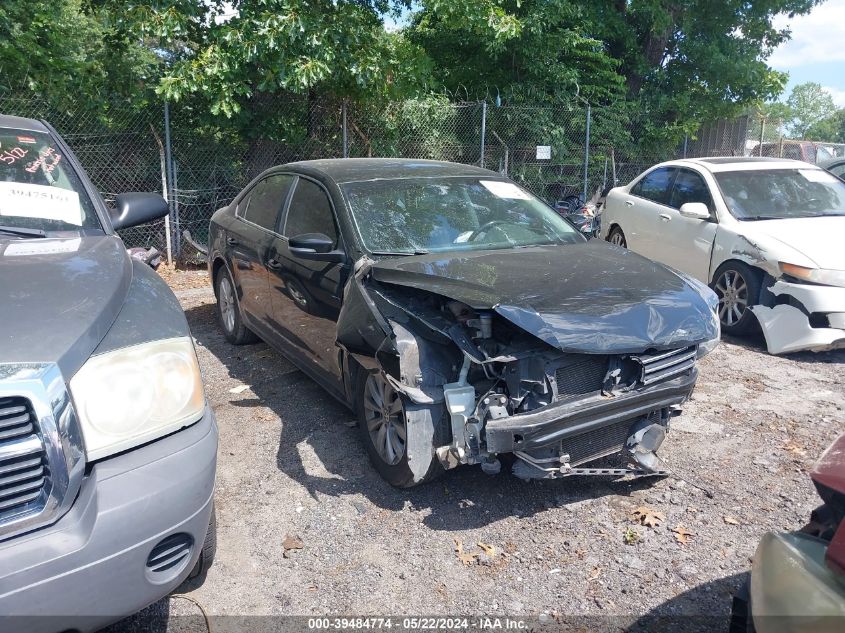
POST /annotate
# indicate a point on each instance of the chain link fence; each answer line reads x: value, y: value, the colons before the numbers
x: 559, y: 152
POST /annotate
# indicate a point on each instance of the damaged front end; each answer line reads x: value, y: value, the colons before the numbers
x: 507, y: 390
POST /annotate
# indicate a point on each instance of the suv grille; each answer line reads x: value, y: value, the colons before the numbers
x: 22, y: 460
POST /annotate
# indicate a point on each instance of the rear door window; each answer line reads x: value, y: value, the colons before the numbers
x: 266, y: 200
x: 656, y: 185
x: 690, y: 187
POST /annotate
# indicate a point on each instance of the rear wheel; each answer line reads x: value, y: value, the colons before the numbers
x: 738, y: 287
x: 617, y: 237
x: 229, y: 311
x: 385, y: 417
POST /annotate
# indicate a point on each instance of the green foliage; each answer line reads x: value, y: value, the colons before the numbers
x: 299, y: 46
x: 830, y: 129
x: 64, y: 50
x: 809, y: 104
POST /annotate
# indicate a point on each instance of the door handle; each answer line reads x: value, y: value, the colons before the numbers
x: 275, y: 264
x: 666, y: 216
x: 231, y: 241
x: 629, y: 203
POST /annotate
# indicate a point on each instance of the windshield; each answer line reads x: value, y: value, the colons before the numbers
x: 408, y: 216
x: 782, y: 193
x: 38, y: 187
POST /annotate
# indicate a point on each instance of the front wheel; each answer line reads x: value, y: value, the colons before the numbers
x: 617, y: 237
x: 399, y: 436
x: 738, y: 288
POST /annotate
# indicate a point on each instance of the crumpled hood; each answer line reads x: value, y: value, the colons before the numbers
x: 819, y: 239
x: 60, y: 297
x: 589, y: 297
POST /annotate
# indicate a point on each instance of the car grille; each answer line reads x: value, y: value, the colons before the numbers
x: 580, y: 377
x: 599, y: 443
x: 23, y: 472
x: 665, y: 365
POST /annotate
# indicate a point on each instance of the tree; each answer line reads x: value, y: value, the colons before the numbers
x: 681, y: 61
x: 64, y: 50
x: 810, y: 104
x: 830, y: 129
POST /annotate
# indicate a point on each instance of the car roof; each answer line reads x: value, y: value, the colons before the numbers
x: 831, y: 162
x: 357, y: 169
x: 20, y: 123
x: 718, y: 164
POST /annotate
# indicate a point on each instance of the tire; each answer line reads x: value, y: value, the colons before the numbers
x: 229, y: 311
x: 617, y: 237
x: 390, y: 458
x: 209, y: 549
x: 738, y: 287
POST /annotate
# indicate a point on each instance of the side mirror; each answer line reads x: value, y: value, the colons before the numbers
x: 132, y: 209
x: 695, y: 211
x: 316, y: 247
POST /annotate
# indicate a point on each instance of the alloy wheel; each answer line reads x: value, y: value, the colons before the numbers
x: 732, y: 290
x: 617, y: 239
x: 226, y: 300
x: 385, y: 419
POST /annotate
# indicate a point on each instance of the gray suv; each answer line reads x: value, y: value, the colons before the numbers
x: 107, y: 445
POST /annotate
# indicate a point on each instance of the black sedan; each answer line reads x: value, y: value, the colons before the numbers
x: 460, y: 317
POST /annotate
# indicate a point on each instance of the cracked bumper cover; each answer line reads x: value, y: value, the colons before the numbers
x: 558, y: 422
x: 787, y: 327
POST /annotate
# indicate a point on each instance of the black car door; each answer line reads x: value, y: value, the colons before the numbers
x: 306, y: 294
x: 249, y: 237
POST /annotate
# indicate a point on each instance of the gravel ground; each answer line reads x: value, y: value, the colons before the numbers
x: 291, y: 465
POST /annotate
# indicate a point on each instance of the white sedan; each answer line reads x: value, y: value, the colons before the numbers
x: 768, y: 235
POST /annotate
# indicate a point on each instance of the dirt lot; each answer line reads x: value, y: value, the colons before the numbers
x: 290, y: 464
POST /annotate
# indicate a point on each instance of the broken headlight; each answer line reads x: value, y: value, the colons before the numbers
x: 136, y: 394
x: 823, y: 276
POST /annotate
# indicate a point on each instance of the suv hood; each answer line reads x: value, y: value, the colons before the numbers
x: 60, y: 297
x: 819, y: 239
x: 589, y: 297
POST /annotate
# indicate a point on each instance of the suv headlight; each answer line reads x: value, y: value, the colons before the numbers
x: 136, y: 394
x: 823, y: 276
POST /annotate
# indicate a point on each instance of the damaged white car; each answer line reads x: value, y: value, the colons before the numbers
x: 460, y: 317
x: 766, y: 234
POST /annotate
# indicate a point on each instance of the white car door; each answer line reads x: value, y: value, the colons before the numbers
x: 686, y: 243
x: 640, y: 207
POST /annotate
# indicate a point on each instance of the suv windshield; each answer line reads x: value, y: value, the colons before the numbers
x: 38, y: 188
x: 774, y: 194
x: 410, y: 216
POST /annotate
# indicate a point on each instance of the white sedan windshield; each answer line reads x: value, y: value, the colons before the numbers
x: 782, y: 193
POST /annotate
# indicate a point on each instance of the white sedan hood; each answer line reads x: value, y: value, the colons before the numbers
x: 819, y: 239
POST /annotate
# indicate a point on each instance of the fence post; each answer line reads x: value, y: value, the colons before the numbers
x: 587, y: 151
x: 345, y: 137
x: 686, y: 140
x: 483, y: 129
x: 762, y: 135
x: 171, y: 192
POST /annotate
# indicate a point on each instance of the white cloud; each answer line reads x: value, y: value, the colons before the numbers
x: 816, y: 37
x: 837, y: 94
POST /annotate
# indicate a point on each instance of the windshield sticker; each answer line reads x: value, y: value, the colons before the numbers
x: 506, y: 190
x: 26, y: 139
x: 39, y: 201
x: 42, y: 247
x: 818, y: 175
x: 11, y: 156
x: 48, y: 158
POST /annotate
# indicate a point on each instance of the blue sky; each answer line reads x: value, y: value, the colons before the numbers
x: 816, y: 51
